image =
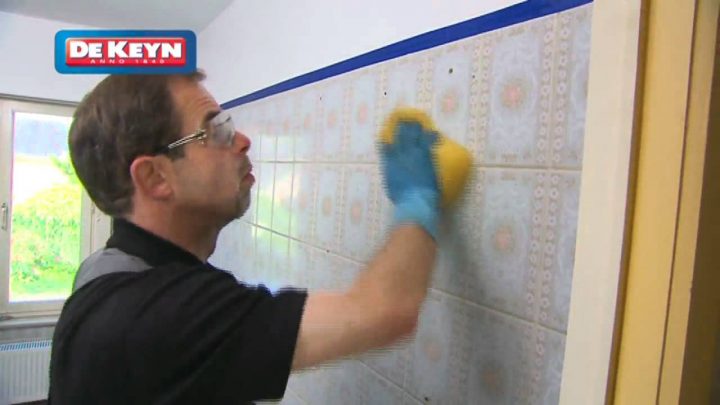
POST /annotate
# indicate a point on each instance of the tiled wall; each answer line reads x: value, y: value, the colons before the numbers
x: 493, y: 328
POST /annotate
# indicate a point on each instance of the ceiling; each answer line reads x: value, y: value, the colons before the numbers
x: 132, y: 14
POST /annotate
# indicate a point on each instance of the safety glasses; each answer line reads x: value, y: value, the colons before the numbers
x: 219, y: 132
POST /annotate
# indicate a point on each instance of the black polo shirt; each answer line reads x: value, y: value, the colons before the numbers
x: 180, y: 332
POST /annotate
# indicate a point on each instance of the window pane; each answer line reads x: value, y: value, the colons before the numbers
x: 46, y: 196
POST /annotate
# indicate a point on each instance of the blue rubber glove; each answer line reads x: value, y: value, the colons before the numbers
x: 410, y: 176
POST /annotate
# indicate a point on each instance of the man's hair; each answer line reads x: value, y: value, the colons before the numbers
x: 122, y: 118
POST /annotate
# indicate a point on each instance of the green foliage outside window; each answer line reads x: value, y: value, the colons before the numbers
x: 46, y: 238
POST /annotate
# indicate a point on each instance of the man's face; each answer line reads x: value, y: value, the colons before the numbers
x: 209, y: 180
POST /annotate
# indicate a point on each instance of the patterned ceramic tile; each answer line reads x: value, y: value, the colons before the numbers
x: 345, y: 271
x: 278, y: 273
x: 311, y: 384
x: 331, y: 272
x: 453, y: 81
x: 510, y: 357
x: 514, y: 212
x: 292, y: 398
x: 225, y: 246
x: 515, y: 112
x: 235, y: 248
x: 439, y: 358
x: 410, y: 400
x: 328, y: 383
x: 363, y: 116
x: 498, y: 250
x: 250, y: 271
x: 359, y: 212
x: 301, y: 264
x: 346, y: 382
x: 570, y: 87
x: 245, y: 257
x: 263, y: 254
x: 383, y: 218
x: 550, y: 347
x: 307, y: 123
x: 244, y: 120
x: 403, y: 83
x: 284, y: 108
x: 330, y: 137
x: 318, y: 275
x: 492, y: 328
x: 559, y: 249
x: 453, y: 268
x: 239, y: 117
x: 302, y: 218
x: 499, y: 373
x: 250, y: 215
x: 367, y: 387
x: 327, y: 220
x: 266, y: 126
x: 391, y: 362
x: 282, y: 200
x: 265, y: 184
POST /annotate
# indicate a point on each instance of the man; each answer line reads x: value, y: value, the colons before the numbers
x: 150, y: 321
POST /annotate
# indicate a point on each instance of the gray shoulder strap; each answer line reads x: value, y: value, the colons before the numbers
x: 107, y: 261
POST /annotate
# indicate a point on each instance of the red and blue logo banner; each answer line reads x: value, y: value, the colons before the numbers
x: 125, y: 52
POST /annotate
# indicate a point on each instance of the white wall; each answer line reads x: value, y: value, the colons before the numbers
x: 28, y: 67
x: 257, y: 43
x: 251, y: 45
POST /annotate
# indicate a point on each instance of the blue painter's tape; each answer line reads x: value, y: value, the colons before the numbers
x: 190, y: 57
x: 518, y: 13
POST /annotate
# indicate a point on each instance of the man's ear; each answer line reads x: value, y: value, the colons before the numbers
x: 150, y: 175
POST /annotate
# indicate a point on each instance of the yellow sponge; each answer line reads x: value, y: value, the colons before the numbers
x: 453, y: 161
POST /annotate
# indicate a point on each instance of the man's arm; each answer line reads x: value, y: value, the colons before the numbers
x: 382, y: 305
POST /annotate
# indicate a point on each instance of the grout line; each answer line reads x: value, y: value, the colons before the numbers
x: 312, y: 245
x: 389, y: 381
x: 291, y: 213
x: 410, y: 396
x: 495, y: 310
x: 295, y: 394
x: 272, y: 195
x: 436, y: 289
x: 382, y: 377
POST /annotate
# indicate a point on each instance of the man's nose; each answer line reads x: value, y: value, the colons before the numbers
x: 242, y: 143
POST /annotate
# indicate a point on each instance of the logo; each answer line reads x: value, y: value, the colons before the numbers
x: 125, y: 52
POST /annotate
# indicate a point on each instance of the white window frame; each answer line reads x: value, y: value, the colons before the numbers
x: 95, y: 225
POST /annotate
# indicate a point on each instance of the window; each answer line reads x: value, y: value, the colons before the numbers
x: 48, y: 224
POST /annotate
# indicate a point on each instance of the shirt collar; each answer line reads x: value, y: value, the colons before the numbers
x: 153, y: 249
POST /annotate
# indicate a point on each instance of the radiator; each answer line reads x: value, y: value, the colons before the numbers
x: 24, y: 371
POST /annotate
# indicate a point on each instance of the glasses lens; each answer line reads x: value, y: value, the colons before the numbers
x: 223, y: 130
